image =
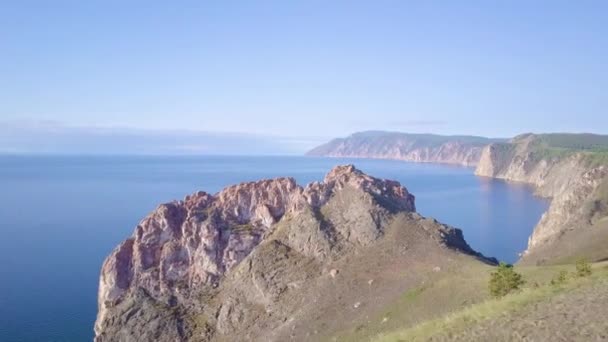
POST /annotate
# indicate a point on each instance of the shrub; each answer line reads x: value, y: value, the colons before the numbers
x: 504, y: 280
x: 561, y: 278
x: 583, y: 268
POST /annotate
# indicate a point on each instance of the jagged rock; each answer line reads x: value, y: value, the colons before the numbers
x: 243, y: 260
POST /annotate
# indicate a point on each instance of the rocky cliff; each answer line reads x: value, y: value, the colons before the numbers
x: 572, y: 175
x: 270, y: 261
x: 461, y: 150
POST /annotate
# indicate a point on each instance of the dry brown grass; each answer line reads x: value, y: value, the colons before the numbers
x: 472, y: 321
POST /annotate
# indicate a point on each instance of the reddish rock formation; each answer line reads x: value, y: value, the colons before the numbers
x: 192, y: 243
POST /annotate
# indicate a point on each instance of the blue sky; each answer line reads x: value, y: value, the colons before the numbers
x: 306, y: 70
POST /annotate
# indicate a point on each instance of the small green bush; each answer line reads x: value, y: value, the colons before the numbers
x: 583, y: 268
x: 504, y: 280
x: 561, y: 278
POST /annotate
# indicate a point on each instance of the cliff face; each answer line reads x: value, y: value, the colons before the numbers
x: 243, y: 263
x: 460, y: 150
x: 568, y: 178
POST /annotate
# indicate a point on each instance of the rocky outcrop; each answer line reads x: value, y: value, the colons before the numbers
x: 241, y: 262
x: 423, y: 148
x: 568, y: 178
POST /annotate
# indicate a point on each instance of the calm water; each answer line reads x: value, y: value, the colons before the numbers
x: 60, y: 216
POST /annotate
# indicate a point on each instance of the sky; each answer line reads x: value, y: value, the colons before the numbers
x: 291, y: 74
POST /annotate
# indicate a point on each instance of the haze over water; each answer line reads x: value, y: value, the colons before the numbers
x: 61, y: 216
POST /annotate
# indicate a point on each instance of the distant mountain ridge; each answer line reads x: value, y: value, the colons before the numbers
x: 428, y: 148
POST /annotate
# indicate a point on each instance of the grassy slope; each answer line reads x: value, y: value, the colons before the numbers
x: 589, y: 243
x: 454, y: 301
x: 559, y: 145
x: 469, y: 287
x: 587, y: 142
x: 438, y: 296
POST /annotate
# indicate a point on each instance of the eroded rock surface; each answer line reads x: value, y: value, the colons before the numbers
x: 242, y: 262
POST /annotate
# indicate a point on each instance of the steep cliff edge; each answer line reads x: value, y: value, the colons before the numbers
x: 571, y: 170
x: 428, y: 148
x: 272, y: 261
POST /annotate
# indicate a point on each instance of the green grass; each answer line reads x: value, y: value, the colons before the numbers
x: 540, y: 289
x: 552, y: 153
x: 559, y: 146
x: 581, y: 142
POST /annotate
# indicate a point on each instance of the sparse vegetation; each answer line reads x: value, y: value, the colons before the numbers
x: 240, y: 228
x: 560, y: 279
x: 583, y: 268
x: 559, y: 146
x: 504, y: 280
x: 583, y: 141
x: 460, y: 323
x: 412, y: 294
x: 596, y: 158
x: 470, y: 315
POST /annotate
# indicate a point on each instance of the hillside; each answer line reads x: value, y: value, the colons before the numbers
x: 572, y: 170
x: 273, y: 261
x: 461, y: 150
x: 570, y: 311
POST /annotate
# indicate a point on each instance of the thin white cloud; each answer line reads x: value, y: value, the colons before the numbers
x: 55, y: 137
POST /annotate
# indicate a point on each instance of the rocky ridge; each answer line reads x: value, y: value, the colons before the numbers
x: 239, y: 263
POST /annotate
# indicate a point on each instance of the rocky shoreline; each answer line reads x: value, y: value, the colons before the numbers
x: 569, y: 182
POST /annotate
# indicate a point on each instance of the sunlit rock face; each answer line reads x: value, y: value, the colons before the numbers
x: 191, y: 244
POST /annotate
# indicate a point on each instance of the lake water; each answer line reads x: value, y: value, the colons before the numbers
x: 61, y: 216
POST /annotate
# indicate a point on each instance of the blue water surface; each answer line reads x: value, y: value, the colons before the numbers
x: 61, y: 216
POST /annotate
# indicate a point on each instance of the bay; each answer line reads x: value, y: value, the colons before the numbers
x: 60, y: 216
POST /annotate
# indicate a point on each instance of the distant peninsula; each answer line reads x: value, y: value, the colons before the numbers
x: 428, y: 148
